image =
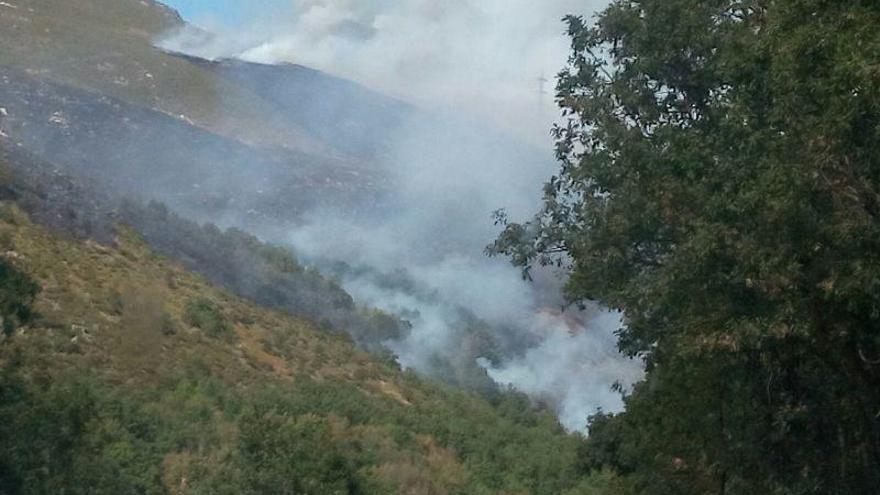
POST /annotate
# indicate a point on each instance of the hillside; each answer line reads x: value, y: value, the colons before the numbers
x: 100, y: 128
x: 107, y: 46
x: 136, y: 367
x: 145, y: 153
x: 161, y: 353
x: 85, y: 87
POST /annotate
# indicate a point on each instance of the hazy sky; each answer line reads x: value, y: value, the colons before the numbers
x: 482, y: 57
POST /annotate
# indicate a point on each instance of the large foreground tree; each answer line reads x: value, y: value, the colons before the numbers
x: 720, y: 184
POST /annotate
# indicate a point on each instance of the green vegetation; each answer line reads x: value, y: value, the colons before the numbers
x: 204, y: 315
x: 266, y: 274
x: 118, y: 387
x: 17, y: 292
x: 720, y: 183
x: 232, y: 259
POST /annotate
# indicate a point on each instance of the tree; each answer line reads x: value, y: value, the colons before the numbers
x: 719, y: 184
x: 17, y: 292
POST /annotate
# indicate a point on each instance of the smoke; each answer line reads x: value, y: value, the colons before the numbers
x: 483, y: 55
x: 572, y: 367
x: 424, y: 248
x: 448, y: 177
x: 483, y: 145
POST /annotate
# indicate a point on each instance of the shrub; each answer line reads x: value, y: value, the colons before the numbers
x: 288, y: 455
x: 167, y: 325
x: 115, y: 302
x: 17, y: 292
x: 143, y: 320
x: 7, y: 242
x: 205, y: 315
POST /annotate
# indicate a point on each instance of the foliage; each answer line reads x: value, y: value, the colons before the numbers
x: 288, y: 455
x: 268, y: 274
x: 69, y: 436
x: 720, y: 183
x: 204, y: 315
x: 94, y: 400
x: 195, y: 434
x: 17, y: 292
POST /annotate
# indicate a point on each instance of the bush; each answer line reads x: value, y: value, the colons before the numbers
x: 7, y: 242
x: 284, y: 454
x: 205, y: 315
x: 167, y: 325
x: 17, y: 292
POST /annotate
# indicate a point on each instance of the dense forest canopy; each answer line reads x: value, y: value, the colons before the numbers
x: 719, y: 184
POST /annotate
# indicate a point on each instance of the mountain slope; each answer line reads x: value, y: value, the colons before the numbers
x: 83, y: 86
x: 145, y: 153
x: 107, y: 46
x: 138, y: 376
x: 146, y: 370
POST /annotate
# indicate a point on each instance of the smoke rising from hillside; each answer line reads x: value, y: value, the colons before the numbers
x: 449, y: 176
x: 471, y: 62
x: 585, y: 351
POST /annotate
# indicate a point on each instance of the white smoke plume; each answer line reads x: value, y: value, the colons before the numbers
x: 476, y: 63
x: 572, y: 350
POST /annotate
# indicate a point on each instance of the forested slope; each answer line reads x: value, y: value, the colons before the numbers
x: 124, y: 373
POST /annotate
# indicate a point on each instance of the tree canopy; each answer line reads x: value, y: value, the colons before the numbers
x: 719, y: 184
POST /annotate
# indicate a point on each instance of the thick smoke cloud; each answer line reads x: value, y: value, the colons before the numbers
x: 475, y: 65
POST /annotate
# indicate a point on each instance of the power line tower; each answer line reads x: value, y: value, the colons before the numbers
x: 542, y: 89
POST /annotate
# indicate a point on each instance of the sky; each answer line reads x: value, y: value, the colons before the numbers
x: 224, y: 12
